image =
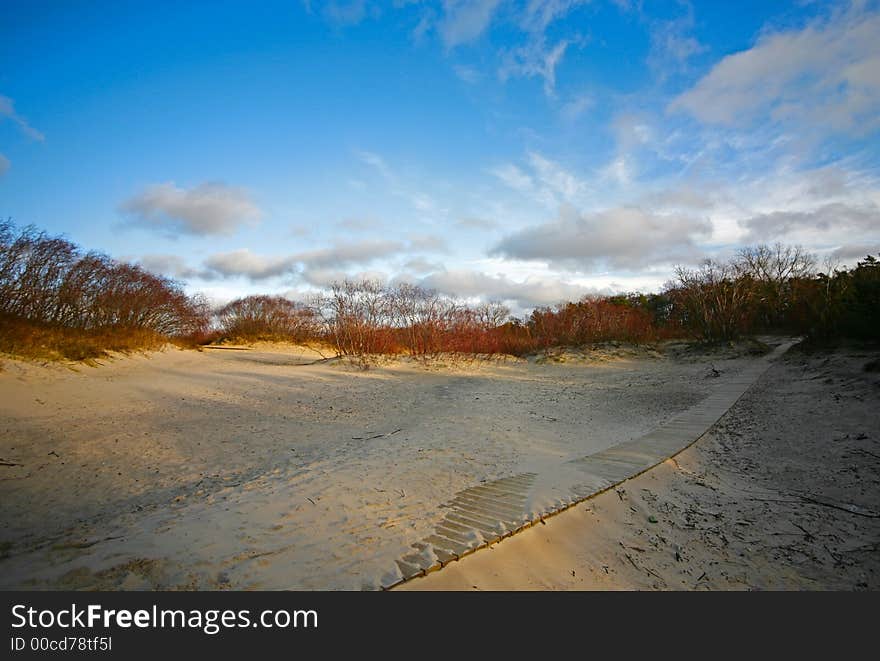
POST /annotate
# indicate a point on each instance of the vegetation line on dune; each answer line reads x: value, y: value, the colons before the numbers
x: 58, y: 301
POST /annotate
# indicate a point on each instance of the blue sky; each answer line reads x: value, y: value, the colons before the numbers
x: 529, y: 151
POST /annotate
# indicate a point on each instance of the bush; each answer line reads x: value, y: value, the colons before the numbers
x: 591, y: 320
x: 267, y: 318
x: 55, y: 298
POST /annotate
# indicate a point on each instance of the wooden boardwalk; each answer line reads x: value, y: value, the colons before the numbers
x: 487, y: 513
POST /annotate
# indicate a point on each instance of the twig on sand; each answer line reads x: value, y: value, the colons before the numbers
x: 865, y: 547
x: 370, y: 438
x: 85, y: 545
x: 843, y: 507
x: 808, y: 536
x: 773, y: 500
x: 3, y: 462
x: 311, y: 501
x: 837, y: 558
x: 631, y: 561
x: 634, y: 548
x: 870, y: 454
x: 640, y: 568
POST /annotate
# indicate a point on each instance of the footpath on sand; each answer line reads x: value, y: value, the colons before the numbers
x: 481, y: 516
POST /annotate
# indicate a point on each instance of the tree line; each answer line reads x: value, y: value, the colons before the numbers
x: 762, y: 289
x: 52, y: 292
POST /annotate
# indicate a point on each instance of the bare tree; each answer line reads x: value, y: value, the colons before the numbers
x: 713, y: 299
x: 492, y: 314
x: 773, y: 271
x: 777, y: 263
x: 357, y: 317
x: 422, y: 318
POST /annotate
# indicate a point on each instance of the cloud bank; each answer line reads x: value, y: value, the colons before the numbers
x: 827, y: 74
x: 209, y: 209
x: 627, y: 238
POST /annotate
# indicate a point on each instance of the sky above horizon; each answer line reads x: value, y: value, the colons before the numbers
x: 528, y: 151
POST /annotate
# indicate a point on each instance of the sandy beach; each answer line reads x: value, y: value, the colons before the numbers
x: 783, y: 493
x: 271, y: 468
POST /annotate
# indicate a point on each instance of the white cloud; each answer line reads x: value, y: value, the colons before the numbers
x: 321, y: 277
x: 556, y: 178
x: 573, y: 109
x: 318, y: 266
x: 837, y: 219
x: 535, y: 59
x: 826, y: 74
x: 465, y: 20
x: 513, y: 177
x: 428, y: 243
x: 468, y: 74
x: 7, y: 109
x: 681, y: 198
x: 359, y: 225
x: 325, y: 277
x: 245, y: 263
x: 672, y: 45
x: 851, y: 253
x: 522, y: 294
x: 378, y: 163
x: 301, y: 231
x: 426, y: 22
x: 345, y: 254
x: 422, y: 202
x: 631, y: 133
x: 539, y: 14
x: 627, y: 238
x: 631, y: 130
x: 421, y: 265
x: 475, y: 223
x: 208, y: 209
x: 822, y: 208
x: 172, y: 266
x: 548, y: 182
x: 348, y: 12
x: 618, y: 171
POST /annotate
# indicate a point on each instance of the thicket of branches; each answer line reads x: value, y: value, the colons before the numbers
x: 55, y: 297
x: 367, y: 317
x: 267, y: 318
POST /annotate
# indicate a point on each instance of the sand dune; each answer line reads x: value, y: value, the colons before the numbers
x: 265, y: 469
